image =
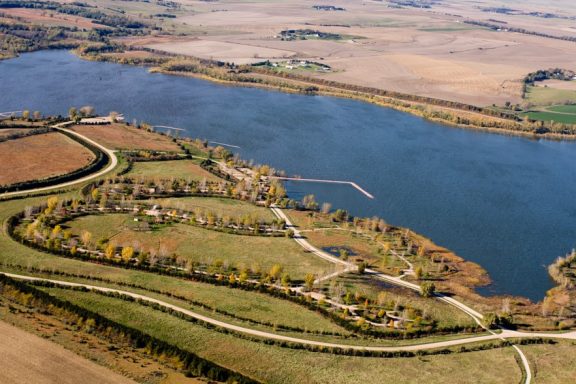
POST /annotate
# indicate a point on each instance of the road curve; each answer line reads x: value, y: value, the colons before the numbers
x: 113, y: 163
x: 273, y: 336
x: 381, y: 276
x: 478, y: 317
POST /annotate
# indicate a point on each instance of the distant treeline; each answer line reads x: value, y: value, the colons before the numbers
x: 548, y: 74
x: 516, y: 12
x: 19, y: 38
x: 496, y: 27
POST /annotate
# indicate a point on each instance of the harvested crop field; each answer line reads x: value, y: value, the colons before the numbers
x: 30, y: 359
x: 40, y: 157
x: 432, y: 51
x: 239, y: 53
x: 46, y: 17
x: 121, y: 136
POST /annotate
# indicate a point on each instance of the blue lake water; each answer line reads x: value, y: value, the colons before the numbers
x: 506, y: 203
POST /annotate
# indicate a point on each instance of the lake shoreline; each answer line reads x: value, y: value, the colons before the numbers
x: 381, y: 101
x: 300, y: 101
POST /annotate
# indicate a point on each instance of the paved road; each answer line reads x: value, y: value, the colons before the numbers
x: 113, y: 163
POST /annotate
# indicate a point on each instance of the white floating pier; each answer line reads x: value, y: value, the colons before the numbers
x: 353, y: 184
x: 168, y: 127
x: 224, y: 144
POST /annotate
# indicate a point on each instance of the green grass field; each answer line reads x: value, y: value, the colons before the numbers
x: 180, y: 169
x: 570, y: 109
x: 273, y: 364
x: 548, y: 95
x: 552, y: 364
x: 220, y: 206
x: 551, y: 116
x: 206, y: 246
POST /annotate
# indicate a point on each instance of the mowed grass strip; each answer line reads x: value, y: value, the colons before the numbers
x: 41, y: 156
x: 206, y: 246
x: 272, y: 364
x: 570, y: 109
x: 125, y: 137
x: 220, y: 206
x: 247, y: 305
x: 179, y: 169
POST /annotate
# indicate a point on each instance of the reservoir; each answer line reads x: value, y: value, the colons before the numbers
x: 507, y: 203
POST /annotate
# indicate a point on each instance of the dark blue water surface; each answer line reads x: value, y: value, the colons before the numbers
x: 506, y: 203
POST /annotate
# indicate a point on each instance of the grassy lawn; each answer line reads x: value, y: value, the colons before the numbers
x: 551, y: 116
x: 570, y: 109
x: 220, y: 206
x: 180, y: 169
x: 549, y: 95
x: 206, y: 246
x: 273, y: 364
x: 552, y: 363
x: 244, y: 304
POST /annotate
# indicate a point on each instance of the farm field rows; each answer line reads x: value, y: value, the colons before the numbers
x: 35, y: 360
x: 40, y: 157
x: 122, y: 137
